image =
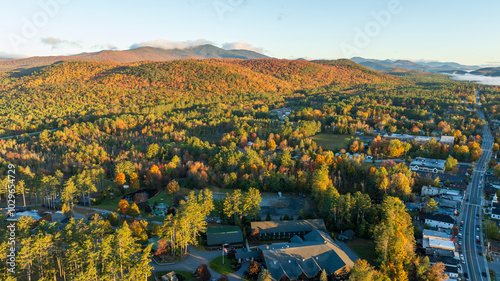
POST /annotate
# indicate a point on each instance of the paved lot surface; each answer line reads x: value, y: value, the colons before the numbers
x: 280, y: 206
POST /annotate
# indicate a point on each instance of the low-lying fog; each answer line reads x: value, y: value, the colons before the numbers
x: 487, y: 80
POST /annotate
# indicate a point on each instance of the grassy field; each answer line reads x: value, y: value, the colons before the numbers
x: 186, y: 274
x: 364, y: 248
x: 331, y: 142
x: 111, y: 205
x: 216, y: 265
x: 162, y: 197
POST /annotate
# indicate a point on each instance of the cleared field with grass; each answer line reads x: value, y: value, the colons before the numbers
x: 331, y: 142
x: 364, y: 248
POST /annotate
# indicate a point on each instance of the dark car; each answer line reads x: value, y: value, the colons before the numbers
x: 477, y: 215
x: 483, y: 273
x: 480, y: 253
x: 466, y: 275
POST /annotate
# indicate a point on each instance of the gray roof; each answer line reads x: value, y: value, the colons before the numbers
x: 430, y: 163
x: 223, y: 234
x: 434, y: 233
x: 439, y: 217
x: 317, y: 252
x: 296, y: 239
x: 496, y: 211
x: 289, y: 226
x: 348, y: 234
x: 249, y: 254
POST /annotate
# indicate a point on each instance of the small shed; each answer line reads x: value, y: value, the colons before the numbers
x: 170, y: 276
x: 347, y: 235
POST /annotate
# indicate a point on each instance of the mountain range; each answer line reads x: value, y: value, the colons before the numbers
x: 134, y: 55
x: 434, y: 66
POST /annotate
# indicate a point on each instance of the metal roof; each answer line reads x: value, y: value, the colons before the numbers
x: 289, y: 226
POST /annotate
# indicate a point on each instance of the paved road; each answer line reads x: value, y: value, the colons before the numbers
x: 472, y: 213
x: 31, y: 134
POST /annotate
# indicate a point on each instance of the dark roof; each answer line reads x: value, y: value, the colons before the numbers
x: 450, y: 269
x: 495, y: 247
x: 439, y: 217
x: 289, y: 226
x: 250, y: 254
x: 224, y: 234
x: 496, y: 211
x: 348, y: 234
x: 448, y: 261
x: 296, y: 239
x: 317, y: 252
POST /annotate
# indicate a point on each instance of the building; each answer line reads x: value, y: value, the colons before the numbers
x: 495, y: 213
x: 447, y: 140
x: 431, y: 191
x: 494, y: 248
x: 428, y: 165
x: 287, y: 229
x: 171, y: 276
x: 433, y: 234
x: 439, y: 221
x: 224, y: 235
x: 305, y: 259
x: 346, y: 235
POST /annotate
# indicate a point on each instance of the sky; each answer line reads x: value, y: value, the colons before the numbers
x: 457, y: 31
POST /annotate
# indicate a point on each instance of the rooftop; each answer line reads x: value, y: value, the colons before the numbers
x: 289, y: 226
x: 439, y: 217
x: 430, y: 163
x: 224, y: 234
x: 437, y: 234
x: 317, y: 252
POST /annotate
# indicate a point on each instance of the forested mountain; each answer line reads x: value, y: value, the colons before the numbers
x: 135, y: 55
x: 66, y: 92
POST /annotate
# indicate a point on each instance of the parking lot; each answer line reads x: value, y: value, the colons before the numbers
x: 286, y: 204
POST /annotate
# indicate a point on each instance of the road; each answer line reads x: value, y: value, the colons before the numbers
x: 30, y: 134
x: 472, y: 213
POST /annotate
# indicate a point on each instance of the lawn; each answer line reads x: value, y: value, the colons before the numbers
x: 111, y: 205
x: 216, y: 265
x: 364, y: 248
x: 162, y: 197
x: 331, y: 142
x: 186, y: 274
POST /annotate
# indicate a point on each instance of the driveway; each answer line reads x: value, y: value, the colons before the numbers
x: 194, y: 259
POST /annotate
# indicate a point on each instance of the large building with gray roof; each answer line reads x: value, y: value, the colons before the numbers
x: 305, y: 259
x: 287, y: 229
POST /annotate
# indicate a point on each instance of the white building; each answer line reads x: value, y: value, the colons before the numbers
x: 428, y: 165
x: 439, y: 235
x: 448, y: 140
x: 439, y: 221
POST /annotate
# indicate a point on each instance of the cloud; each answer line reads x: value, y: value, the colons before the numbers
x: 106, y: 46
x: 57, y: 43
x: 240, y: 45
x: 487, y: 80
x: 167, y: 45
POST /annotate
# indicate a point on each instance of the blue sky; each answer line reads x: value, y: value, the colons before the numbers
x: 460, y: 31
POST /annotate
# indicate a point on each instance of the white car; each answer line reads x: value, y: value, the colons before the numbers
x: 460, y: 242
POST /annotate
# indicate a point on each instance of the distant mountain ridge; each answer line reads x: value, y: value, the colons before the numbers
x: 135, y: 55
x: 434, y: 66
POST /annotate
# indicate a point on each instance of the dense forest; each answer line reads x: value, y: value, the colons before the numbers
x: 186, y: 127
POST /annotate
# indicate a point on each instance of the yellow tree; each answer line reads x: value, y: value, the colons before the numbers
x: 134, y: 181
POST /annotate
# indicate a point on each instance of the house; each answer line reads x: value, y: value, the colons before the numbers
x: 306, y: 258
x: 451, y: 271
x: 287, y: 229
x: 224, y: 235
x: 495, y: 213
x: 431, y: 191
x: 447, y: 140
x: 439, y: 221
x: 428, y: 165
x: 171, y: 276
x: 346, y: 235
x: 494, y: 248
